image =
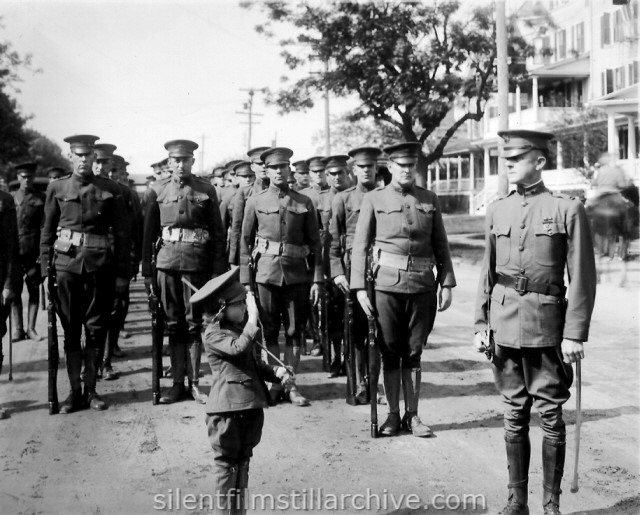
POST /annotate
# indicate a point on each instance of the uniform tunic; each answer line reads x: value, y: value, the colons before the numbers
x: 92, y: 207
x: 9, y: 254
x: 406, y: 223
x: 237, y: 215
x: 30, y: 213
x: 535, y: 233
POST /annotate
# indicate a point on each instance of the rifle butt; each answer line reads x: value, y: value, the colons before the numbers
x: 53, y: 358
x: 373, y: 376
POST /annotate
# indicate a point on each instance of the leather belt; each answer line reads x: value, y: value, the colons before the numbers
x: 85, y: 239
x: 402, y: 262
x: 523, y: 284
x: 277, y: 248
x: 185, y: 235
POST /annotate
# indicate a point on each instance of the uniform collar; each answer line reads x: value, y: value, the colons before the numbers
x: 260, y: 184
x: 83, y: 179
x: 400, y: 189
x: 182, y: 182
x: 532, y: 189
x: 364, y: 189
x: 279, y: 191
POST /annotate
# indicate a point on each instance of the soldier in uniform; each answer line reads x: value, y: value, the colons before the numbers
x: 240, y: 200
x: 532, y: 234
x: 280, y: 239
x: 184, y: 217
x: 318, y: 179
x: 345, y: 211
x: 226, y: 202
x: 55, y: 172
x: 336, y: 171
x: 30, y: 211
x: 401, y: 225
x: 301, y: 174
x: 9, y: 265
x: 217, y: 180
x: 80, y: 213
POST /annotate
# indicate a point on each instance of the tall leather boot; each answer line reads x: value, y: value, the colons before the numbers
x: 90, y: 368
x: 518, y: 456
x: 193, y: 372
x: 292, y: 359
x: 177, y: 352
x: 335, y: 368
x: 411, y: 378
x: 242, y: 483
x: 391, y: 379
x: 32, y: 315
x: 75, y: 400
x: 553, y: 453
x: 16, y: 320
x: 106, y: 370
x: 224, y: 485
x: 276, y: 391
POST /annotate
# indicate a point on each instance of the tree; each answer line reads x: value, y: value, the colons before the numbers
x: 352, y: 134
x: 46, y: 152
x: 407, y: 62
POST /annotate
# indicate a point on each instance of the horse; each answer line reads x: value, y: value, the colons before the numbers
x: 614, y: 223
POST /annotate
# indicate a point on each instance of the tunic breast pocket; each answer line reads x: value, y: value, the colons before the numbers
x: 296, y: 215
x: 168, y: 210
x: 69, y: 204
x: 198, y: 205
x: 103, y: 201
x: 268, y: 216
x: 389, y: 222
x: 503, y: 243
x: 550, y: 244
x: 425, y: 214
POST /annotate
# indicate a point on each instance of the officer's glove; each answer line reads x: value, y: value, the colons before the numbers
x: 342, y: 283
x: 286, y: 376
x: 365, y: 302
x: 7, y: 296
x: 148, y: 284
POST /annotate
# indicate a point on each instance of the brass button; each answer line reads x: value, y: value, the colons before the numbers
x: 521, y: 248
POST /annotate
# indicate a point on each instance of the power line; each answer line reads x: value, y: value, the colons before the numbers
x: 248, y: 106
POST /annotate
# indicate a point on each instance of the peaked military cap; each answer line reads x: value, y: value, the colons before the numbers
x: 518, y: 142
x: 81, y: 143
x: 104, y: 150
x: 28, y: 167
x: 339, y: 160
x: 254, y: 154
x: 218, y: 171
x: 404, y: 153
x: 316, y: 163
x: 180, y: 147
x: 301, y: 166
x: 55, y: 172
x: 243, y: 169
x: 365, y: 155
x: 118, y: 161
x: 224, y: 289
x: 276, y: 156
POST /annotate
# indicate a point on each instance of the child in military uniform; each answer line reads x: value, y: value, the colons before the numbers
x: 238, y: 393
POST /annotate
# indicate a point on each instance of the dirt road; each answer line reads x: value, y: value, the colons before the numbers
x: 137, y: 458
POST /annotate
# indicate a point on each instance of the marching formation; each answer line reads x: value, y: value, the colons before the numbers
x: 247, y: 264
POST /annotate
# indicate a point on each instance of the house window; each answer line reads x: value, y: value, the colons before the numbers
x: 633, y: 72
x: 578, y: 42
x: 605, y: 29
x: 607, y: 82
x: 619, y: 76
x: 561, y: 44
x: 618, y: 26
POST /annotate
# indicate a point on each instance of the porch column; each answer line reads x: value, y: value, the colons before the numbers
x: 631, y: 129
x: 518, y: 106
x: 534, y: 98
x: 459, y: 172
x: 560, y: 162
x: 612, y: 135
x: 472, y: 182
x: 429, y: 177
x: 487, y: 172
x: 448, y: 173
x: 437, y: 181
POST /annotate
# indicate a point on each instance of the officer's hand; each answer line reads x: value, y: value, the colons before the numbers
x: 314, y: 294
x: 252, y: 308
x: 365, y: 302
x: 444, y: 299
x: 342, y: 283
x: 572, y: 350
x: 148, y: 284
x: 480, y: 341
x: 7, y: 296
x: 285, y: 376
x: 121, y: 285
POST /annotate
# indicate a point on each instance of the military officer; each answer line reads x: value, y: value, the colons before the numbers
x: 336, y: 172
x: 280, y: 244
x: 81, y: 212
x: 240, y: 200
x: 538, y: 326
x: 301, y: 174
x: 318, y: 179
x: 217, y: 179
x: 345, y: 210
x: 184, y: 217
x: 30, y: 211
x: 10, y: 273
x: 401, y: 225
x: 226, y: 202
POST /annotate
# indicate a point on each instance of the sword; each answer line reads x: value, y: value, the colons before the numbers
x: 574, y: 483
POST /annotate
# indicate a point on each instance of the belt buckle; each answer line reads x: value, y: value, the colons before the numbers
x: 281, y: 249
x: 521, y: 284
x: 410, y: 262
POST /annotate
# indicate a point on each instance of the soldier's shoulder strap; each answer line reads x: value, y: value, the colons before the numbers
x: 563, y: 195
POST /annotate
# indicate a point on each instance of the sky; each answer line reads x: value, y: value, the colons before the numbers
x: 140, y: 73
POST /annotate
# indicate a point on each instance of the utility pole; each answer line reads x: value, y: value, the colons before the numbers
x: 327, y: 124
x: 503, y: 87
x: 248, y: 106
x: 202, y: 156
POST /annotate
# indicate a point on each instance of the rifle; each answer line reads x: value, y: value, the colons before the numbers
x: 53, y: 357
x: 373, y: 370
x: 157, y: 326
x: 350, y: 351
x: 10, y: 350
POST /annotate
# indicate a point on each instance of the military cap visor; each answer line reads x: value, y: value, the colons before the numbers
x: 56, y: 172
x: 254, y: 154
x: 365, y: 155
x: 28, y: 168
x: 181, y: 147
x: 224, y: 289
x: 518, y: 142
x: 104, y: 150
x: 81, y: 143
x: 276, y: 156
x: 407, y: 152
x: 316, y: 163
x: 243, y: 169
